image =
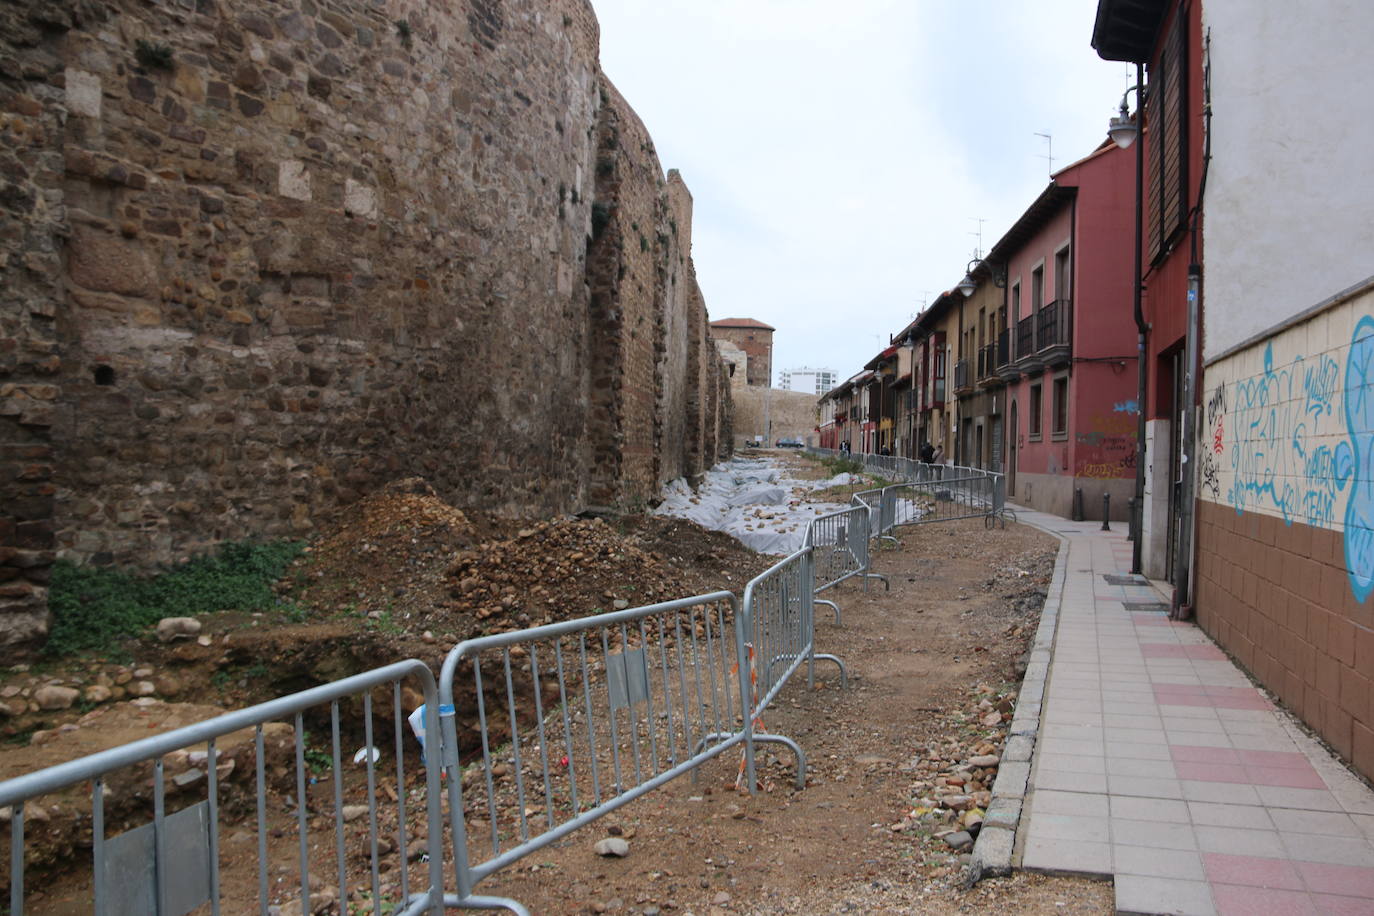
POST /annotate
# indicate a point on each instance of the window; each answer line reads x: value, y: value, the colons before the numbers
x: 1060, y: 407
x: 1061, y: 273
x: 1036, y: 410
x: 1166, y: 147
x: 1037, y: 288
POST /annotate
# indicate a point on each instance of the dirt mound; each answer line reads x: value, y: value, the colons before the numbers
x: 558, y: 570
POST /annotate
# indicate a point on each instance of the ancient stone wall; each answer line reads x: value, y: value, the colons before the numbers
x: 260, y: 258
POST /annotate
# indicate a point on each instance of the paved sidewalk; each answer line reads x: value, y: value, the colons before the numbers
x: 1158, y: 763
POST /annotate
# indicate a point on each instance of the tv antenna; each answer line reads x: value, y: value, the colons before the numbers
x: 1049, y: 151
x: 980, y: 220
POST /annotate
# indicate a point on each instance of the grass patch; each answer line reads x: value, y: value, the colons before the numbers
x: 94, y: 608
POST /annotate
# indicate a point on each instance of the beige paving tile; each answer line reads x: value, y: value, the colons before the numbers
x: 1068, y: 827
x: 1073, y: 856
x: 1131, y: 751
x: 1326, y: 823
x: 1333, y: 850
x: 1128, y: 766
x: 1185, y: 864
x: 1127, y: 807
x: 1081, y: 804
x: 1069, y: 782
x: 1212, y: 814
x: 1239, y: 841
x: 1158, y: 834
x: 1223, y: 793
x: 1145, y: 894
x: 1146, y: 786
x: 1309, y: 799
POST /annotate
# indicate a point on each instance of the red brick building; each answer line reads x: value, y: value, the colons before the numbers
x: 756, y: 339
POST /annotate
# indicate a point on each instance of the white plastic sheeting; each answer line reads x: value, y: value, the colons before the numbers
x: 753, y: 500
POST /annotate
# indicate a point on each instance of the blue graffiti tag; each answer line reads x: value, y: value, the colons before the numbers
x: 1276, y: 441
x: 1356, y: 458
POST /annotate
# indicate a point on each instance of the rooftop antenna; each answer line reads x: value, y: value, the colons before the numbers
x: 980, y: 220
x: 1049, y: 150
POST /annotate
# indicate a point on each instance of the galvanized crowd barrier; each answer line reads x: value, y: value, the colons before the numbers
x: 780, y: 621
x: 840, y: 551
x: 953, y: 483
x: 169, y: 860
x: 576, y: 719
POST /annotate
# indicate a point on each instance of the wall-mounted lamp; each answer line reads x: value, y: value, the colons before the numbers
x: 1123, y: 128
x: 997, y: 271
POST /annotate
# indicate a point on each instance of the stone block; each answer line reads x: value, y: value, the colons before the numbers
x: 83, y: 93
x: 293, y: 180
x: 104, y: 262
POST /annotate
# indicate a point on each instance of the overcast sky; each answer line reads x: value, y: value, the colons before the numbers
x: 839, y: 154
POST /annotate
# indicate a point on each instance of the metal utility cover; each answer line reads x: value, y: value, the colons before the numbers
x: 1145, y: 606
x: 130, y: 862
x: 1126, y: 580
x: 627, y: 678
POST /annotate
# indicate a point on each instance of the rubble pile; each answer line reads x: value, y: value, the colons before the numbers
x: 556, y: 570
x: 953, y: 785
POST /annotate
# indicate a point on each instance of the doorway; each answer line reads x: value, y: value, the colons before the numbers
x: 1013, y: 434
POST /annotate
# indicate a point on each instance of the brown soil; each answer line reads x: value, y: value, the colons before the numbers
x: 931, y: 660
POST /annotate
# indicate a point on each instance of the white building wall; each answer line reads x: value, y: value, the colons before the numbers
x: 1289, y: 208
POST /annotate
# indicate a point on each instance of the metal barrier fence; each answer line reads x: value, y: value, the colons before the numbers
x: 173, y: 863
x: 839, y: 550
x: 946, y: 499
x: 589, y: 715
x: 780, y: 621
x: 989, y: 495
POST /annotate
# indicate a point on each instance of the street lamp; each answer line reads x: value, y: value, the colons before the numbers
x: 1123, y: 128
x: 968, y: 284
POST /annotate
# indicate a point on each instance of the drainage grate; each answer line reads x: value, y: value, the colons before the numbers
x: 1145, y: 607
x: 1126, y: 580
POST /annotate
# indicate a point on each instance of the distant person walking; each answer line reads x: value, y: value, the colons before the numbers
x: 928, y: 453
x: 938, y: 459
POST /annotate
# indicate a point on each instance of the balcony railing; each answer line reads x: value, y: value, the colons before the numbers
x: 1054, y: 324
x: 1025, y: 337
x: 962, y: 378
x: 1003, y: 349
x: 987, y: 361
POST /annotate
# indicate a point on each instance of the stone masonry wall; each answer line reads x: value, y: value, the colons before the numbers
x: 259, y: 258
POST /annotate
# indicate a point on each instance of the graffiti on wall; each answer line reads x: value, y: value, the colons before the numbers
x: 1107, y: 444
x: 1297, y: 440
x: 1215, y: 445
x: 1359, y: 421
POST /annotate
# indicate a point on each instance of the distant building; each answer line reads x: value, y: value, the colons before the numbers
x: 812, y: 381
x: 756, y: 340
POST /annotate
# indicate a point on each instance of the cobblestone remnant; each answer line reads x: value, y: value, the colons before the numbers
x: 257, y: 259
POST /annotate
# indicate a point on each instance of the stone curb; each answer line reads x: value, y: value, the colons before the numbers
x: 993, y: 851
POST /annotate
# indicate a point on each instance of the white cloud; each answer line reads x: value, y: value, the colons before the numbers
x: 837, y: 154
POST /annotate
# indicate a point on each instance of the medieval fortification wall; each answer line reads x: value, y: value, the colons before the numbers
x: 259, y: 257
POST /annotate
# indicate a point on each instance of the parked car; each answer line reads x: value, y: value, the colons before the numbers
x: 789, y: 443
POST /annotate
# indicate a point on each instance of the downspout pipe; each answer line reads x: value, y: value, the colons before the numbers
x: 1183, y: 604
x: 1142, y: 330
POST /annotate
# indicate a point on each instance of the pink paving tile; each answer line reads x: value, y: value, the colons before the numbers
x: 1223, y: 771
x: 1347, y: 880
x: 1173, y: 650
x: 1192, y: 754
x: 1283, y: 776
x: 1251, y: 871
x: 1185, y: 695
x: 1239, y: 693
x: 1152, y: 622
x: 1212, y: 772
x: 1288, y: 759
x: 1331, y: 905
x: 1257, y: 901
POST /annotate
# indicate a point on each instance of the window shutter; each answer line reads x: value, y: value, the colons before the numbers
x: 1167, y: 138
